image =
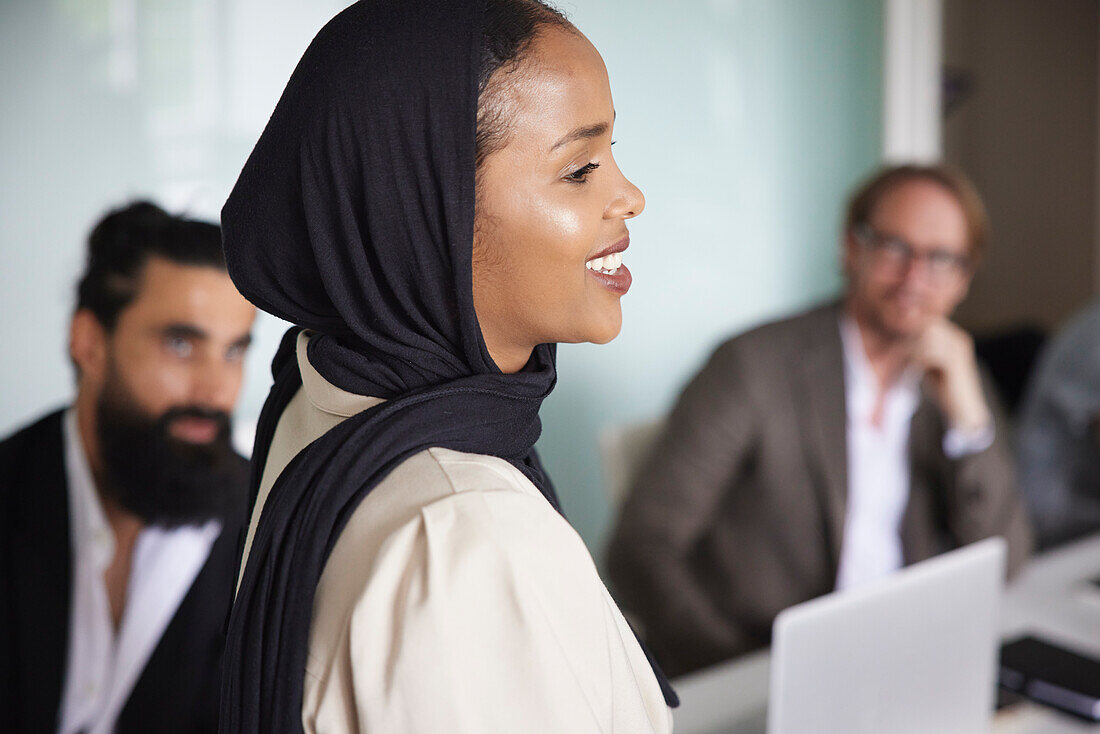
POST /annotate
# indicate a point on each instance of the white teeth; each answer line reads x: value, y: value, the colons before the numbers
x: 608, y: 265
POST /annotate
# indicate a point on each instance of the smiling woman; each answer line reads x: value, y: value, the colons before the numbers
x: 407, y: 568
x: 552, y: 206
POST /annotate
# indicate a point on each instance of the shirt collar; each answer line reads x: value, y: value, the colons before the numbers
x: 862, y: 383
x: 90, y: 533
x: 322, y: 393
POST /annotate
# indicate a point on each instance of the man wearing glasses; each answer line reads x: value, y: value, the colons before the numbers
x: 826, y: 450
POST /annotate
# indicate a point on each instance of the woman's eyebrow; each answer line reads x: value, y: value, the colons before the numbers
x: 585, y: 132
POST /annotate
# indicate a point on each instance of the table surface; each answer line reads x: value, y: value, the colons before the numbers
x: 1051, y: 598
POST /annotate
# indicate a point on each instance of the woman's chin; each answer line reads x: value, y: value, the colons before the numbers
x: 608, y: 329
x: 598, y: 326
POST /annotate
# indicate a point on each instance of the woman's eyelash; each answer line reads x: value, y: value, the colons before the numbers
x: 581, y: 174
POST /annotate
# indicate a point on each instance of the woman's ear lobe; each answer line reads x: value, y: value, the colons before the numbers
x: 88, y: 345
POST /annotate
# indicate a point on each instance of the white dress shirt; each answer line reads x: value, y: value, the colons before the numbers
x: 103, y: 665
x: 878, y: 463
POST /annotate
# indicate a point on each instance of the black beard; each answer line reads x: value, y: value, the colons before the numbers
x: 163, y: 480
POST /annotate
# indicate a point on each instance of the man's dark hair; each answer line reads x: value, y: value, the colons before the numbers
x: 508, y: 29
x: 122, y: 243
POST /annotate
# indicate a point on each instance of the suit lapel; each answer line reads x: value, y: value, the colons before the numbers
x: 41, y: 575
x: 918, y: 537
x: 825, y: 421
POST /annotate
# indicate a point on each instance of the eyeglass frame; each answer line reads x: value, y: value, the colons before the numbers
x: 941, y: 264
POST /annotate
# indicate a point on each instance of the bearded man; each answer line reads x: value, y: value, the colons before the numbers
x: 120, y: 514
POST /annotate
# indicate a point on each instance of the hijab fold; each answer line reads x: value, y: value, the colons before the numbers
x: 353, y: 218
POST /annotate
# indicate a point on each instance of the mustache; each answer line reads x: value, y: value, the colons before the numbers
x: 220, y: 417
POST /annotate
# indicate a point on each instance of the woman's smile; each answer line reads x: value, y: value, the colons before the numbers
x: 551, y: 201
x: 608, y: 269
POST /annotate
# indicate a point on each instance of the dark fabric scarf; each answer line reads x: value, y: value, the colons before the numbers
x: 353, y: 218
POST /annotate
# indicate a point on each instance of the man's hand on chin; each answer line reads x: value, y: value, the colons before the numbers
x: 946, y: 353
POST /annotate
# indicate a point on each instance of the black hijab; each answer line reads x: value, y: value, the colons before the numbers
x: 353, y: 218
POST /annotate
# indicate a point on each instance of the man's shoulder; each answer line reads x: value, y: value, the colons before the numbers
x: 43, y: 434
x: 33, y: 498
x: 782, y: 335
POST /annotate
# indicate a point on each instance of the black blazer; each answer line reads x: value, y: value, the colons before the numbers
x: 178, y: 691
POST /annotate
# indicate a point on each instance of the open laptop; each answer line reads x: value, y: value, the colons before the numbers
x: 915, y: 652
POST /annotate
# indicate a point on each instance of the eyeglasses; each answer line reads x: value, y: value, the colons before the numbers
x: 897, y: 254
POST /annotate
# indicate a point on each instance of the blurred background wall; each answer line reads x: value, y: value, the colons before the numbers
x: 1021, y: 117
x: 745, y: 122
x: 102, y: 101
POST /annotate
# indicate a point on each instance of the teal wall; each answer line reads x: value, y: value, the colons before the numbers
x: 745, y: 122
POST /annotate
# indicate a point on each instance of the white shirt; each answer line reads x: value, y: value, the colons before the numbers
x: 878, y: 463
x: 456, y: 599
x: 103, y: 667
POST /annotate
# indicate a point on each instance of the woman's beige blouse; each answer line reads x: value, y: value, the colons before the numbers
x: 457, y: 600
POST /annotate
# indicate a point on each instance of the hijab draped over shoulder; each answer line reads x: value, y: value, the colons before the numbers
x: 353, y: 218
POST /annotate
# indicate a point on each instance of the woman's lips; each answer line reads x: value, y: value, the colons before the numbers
x: 617, y: 282
x: 618, y: 247
x: 607, y: 267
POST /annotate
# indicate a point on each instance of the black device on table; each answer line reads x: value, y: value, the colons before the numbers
x: 1051, y: 674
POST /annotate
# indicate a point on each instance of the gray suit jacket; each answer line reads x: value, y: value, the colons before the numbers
x: 739, y: 511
